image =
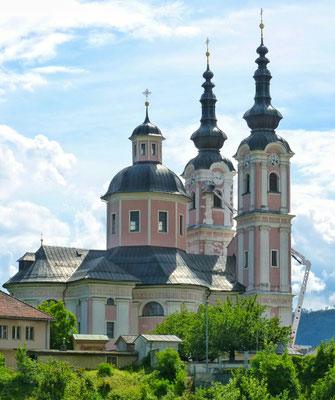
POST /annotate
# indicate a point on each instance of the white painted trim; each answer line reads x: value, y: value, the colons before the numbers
x: 139, y: 221
x: 251, y: 258
x: 284, y: 260
x: 197, y: 205
x: 120, y: 222
x: 278, y: 183
x: 167, y: 221
x: 264, y: 255
x: 240, y: 244
x: 240, y: 189
x: 283, y: 188
x: 149, y: 222
x: 278, y: 263
x: 264, y: 175
x: 252, y: 186
x: 176, y: 225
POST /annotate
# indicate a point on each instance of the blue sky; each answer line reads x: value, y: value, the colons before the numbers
x: 72, y: 75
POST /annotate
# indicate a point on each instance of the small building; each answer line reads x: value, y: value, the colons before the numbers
x: 126, y: 343
x: 21, y: 325
x: 151, y: 344
x: 89, y: 342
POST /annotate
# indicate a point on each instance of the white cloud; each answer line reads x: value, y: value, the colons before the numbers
x: 54, y: 69
x: 315, y: 284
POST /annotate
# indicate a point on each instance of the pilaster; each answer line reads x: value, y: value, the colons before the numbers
x: 264, y: 197
x: 122, y: 317
x: 264, y: 257
x: 251, y: 266
x: 284, y: 259
x: 240, y: 243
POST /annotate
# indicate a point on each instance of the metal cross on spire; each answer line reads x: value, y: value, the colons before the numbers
x: 207, y: 52
x: 41, y: 238
x: 146, y: 93
x: 261, y: 25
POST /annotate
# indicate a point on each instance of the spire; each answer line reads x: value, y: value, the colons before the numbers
x: 146, y: 93
x: 208, y: 136
x: 262, y: 115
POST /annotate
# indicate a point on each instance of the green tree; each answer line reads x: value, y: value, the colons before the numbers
x: 324, y: 389
x: 63, y: 326
x: 232, y: 325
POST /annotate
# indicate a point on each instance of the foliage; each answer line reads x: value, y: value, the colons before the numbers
x: 324, y: 389
x: 233, y: 325
x: 105, y: 369
x: 278, y: 373
x: 169, y: 364
x: 26, y: 367
x: 63, y: 326
x: 2, y: 360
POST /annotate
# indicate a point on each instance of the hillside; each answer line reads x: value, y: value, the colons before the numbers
x: 315, y: 327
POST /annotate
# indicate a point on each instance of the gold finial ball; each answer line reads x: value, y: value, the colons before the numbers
x: 146, y: 103
x: 261, y: 26
x: 208, y: 53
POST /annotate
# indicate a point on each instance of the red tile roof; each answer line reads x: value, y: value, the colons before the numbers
x: 11, y: 307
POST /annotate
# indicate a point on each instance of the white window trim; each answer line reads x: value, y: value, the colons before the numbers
x: 245, y: 252
x: 139, y: 221
x: 113, y: 233
x: 16, y: 330
x: 278, y: 177
x: 30, y: 329
x: 167, y: 221
x: 155, y: 145
x: 181, y: 215
x: 277, y: 251
x: 1, y: 337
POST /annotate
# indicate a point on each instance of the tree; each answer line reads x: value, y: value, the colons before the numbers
x: 232, y: 326
x: 63, y: 326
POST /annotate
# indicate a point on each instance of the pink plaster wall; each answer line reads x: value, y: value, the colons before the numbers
x: 257, y: 258
x: 160, y: 238
x: 246, y: 202
x: 112, y: 240
x: 110, y: 313
x: 181, y: 239
x: 135, y: 238
x: 191, y: 216
x: 218, y: 216
x: 232, y: 247
x: 147, y: 324
x: 274, y: 244
x: 274, y: 201
x: 274, y: 312
x: 158, y: 152
x: 258, y: 186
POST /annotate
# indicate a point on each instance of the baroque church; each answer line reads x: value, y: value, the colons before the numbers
x: 171, y: 245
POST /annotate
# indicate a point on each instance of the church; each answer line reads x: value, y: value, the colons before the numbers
x: 171, y: 245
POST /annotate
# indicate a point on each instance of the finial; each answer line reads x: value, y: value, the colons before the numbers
x: 261, y: 25
x: 147, y: 93
x: 207, y: 52
x: 41, y: 238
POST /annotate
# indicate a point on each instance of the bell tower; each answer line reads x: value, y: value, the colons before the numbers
x: 209, y: 182
x: 263, y: 219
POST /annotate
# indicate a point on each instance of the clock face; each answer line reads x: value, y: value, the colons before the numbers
x: 273, y: 160
x: 217, y: 178
x: 247, y: 160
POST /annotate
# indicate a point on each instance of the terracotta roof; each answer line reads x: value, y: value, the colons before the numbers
x: 11, y: 307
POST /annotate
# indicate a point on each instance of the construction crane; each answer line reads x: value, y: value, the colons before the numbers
x: 301, y: 260
x: 210, y: 186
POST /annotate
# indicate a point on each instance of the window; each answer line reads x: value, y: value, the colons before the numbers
x: 112, y: 360
x: 110, y: 302
x: 181, y: 225
x: 3, y: 331
x: 274, y: 258
x: 134, y: 221
x: 143, y: 151
x: 162, y: 221
x: 113, y: 224
x: 153, y: 309
x: 78, y: 325
x: 134, y: 150
x: 15, y: 332
x: 246, y: 259
x: 193, y: 201
x: 247, y: 184
x: 153, y: 149
x: 29, y: 333
x: 110, y: 329
x: 217, y: 202
x: 273, y: 182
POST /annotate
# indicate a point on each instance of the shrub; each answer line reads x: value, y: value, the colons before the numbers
x: 105, y: 369
x: 26, y: 367
x: 169, y: 363
x: 2, y: 360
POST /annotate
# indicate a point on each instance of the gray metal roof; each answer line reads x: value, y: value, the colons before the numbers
x: 141, y: 265
x: 162, y: 338
x: 206, y: 158
x: 27, y: 257
x: 146, y: 177
x: 80, y: 336
x: 129, y: 339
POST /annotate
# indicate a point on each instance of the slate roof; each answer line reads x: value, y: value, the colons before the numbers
x: 13, y: 308
x: 161, y: 338
x: 141, y: 265
x: 206, y: 158
x: 129, y: 339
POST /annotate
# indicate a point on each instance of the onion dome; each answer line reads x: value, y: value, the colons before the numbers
x: 145, y: 177
x: 146, y: 128
x: 209, y: 135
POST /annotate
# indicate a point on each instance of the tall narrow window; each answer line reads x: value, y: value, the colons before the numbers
x: 134, y: 150
x: 143, y: 151
x: 181, y: 225
x: 273, y: 182
x: 134, y: 221
x: 162, y: 221
x: 113, y: 224
x: 217, y: 202
x: 274, y: 258
x: 29, y: 333
x: 110, y: 329
x: 247, y: 184
x: 3, y: 331
x: 246, y: 259
x: 193, y: 201
x: 15, y: 332
x: 153, y: 149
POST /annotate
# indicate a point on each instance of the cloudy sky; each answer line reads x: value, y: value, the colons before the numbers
x: 72, y: 73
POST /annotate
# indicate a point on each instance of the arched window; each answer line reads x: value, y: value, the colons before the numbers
x: 247, y: 184
x: 50, y: 300
x: 193, y: 201
x: 153, y: 309
x: 110, y: 302
x: 273, y: 182
x: 217, y: 202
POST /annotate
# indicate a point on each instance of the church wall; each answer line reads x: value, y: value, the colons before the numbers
x: 258, y: 186
x: 132, y: 238
x: 218, y: 216
x: 110, y: 313
x: 147, y: 324
x: 274, y: 244
x: 113, y: 239
x: 181, y: 239
x: 167, y: 239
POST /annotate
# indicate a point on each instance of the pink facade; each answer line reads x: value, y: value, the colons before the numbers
x: 134, y: 238
x: 110, y: 313
x: 147, y: 324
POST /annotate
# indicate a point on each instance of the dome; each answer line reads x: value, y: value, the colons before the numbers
x: 146, y: 128
x: 258, y: 140
x: 146, y: 177
x: 206, y: 158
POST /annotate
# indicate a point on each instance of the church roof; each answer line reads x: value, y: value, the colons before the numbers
x: 206, y: 158
x: 142, y: 265
x: 145, y: 177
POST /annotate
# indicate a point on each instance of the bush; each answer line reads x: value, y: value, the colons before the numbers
x: 169, y: 364
x: 105, y: 369
x: 26, y: 367
x: 2, y: 360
